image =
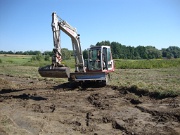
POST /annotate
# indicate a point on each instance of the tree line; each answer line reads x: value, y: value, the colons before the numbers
x: 119, y: 51
x: 66, y: 54
x: 21, y: 52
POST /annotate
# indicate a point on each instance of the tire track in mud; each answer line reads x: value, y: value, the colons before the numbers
x: 160, y: 115
x: 143, y: 92
x: 102, y: 103
x: 126, y: 124
x: 90, y: 109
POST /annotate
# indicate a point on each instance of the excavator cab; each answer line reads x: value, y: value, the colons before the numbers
x: 100, y: 59
x: 98, y: 65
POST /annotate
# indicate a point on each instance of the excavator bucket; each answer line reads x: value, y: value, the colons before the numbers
x: 54, y: 72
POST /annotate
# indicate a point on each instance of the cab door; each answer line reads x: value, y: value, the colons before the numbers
x: 108, y: 63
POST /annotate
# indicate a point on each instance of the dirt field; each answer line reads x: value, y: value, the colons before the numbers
x: 33, y: 107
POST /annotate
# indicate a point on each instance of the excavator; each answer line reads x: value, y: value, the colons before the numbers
x: 96, y: 68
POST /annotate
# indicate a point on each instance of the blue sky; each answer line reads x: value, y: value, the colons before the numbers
x: 26, y: 24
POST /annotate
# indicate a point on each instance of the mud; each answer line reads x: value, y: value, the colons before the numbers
x: 34, y: 107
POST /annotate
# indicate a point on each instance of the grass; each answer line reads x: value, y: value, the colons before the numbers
x: 25, y: 60
x: 14, y: 59
x: 22, y: 66
x: 163, y: 81
x: 21, y: 71
x: 146, y: 64
x: 160, y: 76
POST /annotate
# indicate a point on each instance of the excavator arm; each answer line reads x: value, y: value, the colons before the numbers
x: 59, y: 24
x: 56, y: 59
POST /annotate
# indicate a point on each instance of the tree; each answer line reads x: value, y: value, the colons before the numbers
x: 19, y: 52
x: 153, y: 53
x: 50, y: 53
x: 66, y: 54
x: 37, y: 57
x: 106, y: 43
x: 171, y: 52
x: 10, y: 52
x: 85, y: 54
x: 142, y: 52
x: 115, y: 48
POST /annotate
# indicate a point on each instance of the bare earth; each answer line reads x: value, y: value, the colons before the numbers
x: 33, y: 107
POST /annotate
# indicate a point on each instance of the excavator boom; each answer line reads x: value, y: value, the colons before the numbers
x: 57, y: 69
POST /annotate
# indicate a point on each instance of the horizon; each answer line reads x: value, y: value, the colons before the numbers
x: 82, y: 50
